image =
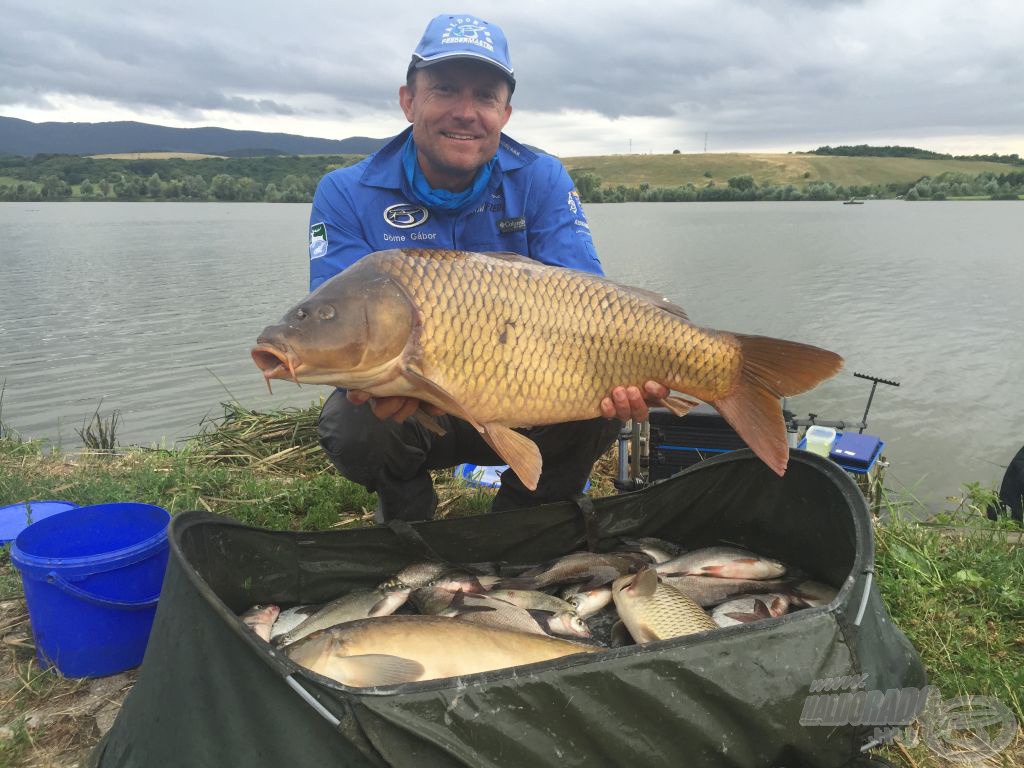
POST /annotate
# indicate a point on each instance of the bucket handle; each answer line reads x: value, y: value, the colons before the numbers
x: 104, y: 602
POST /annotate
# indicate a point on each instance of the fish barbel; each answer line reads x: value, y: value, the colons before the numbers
x: 503, y: 341
x: 401, y: 649
x: 652, y: 610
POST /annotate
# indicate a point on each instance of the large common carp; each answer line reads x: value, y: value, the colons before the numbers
x: 403, y: 649
x: 503, y: 341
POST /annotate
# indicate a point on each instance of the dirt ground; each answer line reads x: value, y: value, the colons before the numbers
x: 46, y: 720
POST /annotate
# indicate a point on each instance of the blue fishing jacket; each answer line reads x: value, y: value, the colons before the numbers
x: 529, y: 207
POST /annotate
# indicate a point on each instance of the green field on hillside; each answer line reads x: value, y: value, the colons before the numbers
x: 799, y: 170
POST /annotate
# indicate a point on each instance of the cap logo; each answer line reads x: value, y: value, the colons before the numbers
x: 405, y: 215
x: 468, y: 30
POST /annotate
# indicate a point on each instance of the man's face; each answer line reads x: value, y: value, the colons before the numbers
x: 457, y: 110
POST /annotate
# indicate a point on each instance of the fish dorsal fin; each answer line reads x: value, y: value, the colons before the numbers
x: 378, y: 669
x: 645, y: 583
x: 655, y: 298
x: 513, y: 257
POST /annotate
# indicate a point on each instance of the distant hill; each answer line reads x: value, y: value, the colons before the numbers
x: 797, y: 169
x: 21, y: 137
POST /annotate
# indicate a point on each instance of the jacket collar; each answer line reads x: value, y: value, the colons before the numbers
x: 385, y: 166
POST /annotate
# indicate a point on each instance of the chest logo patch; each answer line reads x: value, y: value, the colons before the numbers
x: 508, y: 226
x: 405, y: 215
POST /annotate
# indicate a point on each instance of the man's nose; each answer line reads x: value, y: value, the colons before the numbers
x: 464, y: 106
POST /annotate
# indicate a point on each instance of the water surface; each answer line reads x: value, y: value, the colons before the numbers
x: 150, y: 309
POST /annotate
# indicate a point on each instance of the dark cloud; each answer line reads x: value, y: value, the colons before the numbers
x: 750, y: 72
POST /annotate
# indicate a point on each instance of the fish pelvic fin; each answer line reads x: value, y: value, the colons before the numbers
x: 772, y: 369
x: 376, y: 669
x: 518, y: 451
x: 679, y: 406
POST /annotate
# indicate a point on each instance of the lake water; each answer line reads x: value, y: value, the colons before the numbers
x: 150, y: 309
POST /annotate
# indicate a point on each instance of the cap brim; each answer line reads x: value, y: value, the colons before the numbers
x: 420, y: 62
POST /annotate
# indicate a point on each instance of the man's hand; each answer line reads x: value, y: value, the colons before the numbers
x: 627, y: 403
x: 396, y: 408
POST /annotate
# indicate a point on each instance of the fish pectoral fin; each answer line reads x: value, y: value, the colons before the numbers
x: 643, y: 633
x: 620, y: 635
x: 600, y: 576
x: 439, y: 395
x: 518, y: 451
x: 378, y: 669
x: 680, y: 406
x: 428, y: 422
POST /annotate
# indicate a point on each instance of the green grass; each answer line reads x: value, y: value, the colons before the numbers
x: 679, y: 170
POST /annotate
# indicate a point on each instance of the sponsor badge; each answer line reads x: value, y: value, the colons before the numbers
x: 507, y: 226
x: 317, y: 241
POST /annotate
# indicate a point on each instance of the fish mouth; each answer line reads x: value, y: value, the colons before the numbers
x: 276, y: 362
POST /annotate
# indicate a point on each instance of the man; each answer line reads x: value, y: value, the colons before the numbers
x: 454, y: 180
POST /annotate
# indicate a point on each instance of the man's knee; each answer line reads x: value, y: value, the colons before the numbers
x: 349, y: 433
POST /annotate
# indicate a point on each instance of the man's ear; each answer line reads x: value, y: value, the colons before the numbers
x: 405, y: 96
x: 508, y: 114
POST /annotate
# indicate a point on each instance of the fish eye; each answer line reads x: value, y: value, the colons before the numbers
x: 301, y: 313
x: 326, y: 312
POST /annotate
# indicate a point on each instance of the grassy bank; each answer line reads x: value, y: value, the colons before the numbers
x: 956, y: 586
x: 768, y: 169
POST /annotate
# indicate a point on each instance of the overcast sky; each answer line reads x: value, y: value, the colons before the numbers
x: 596, y: 77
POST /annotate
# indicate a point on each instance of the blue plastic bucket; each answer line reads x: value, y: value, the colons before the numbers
x: 92, y: 577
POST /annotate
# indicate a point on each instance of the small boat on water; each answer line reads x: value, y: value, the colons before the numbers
x: 853, y: 201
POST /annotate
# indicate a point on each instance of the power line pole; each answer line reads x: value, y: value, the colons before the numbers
x: 705, y: 142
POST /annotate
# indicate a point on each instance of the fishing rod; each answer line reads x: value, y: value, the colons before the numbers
x: 793, y: 423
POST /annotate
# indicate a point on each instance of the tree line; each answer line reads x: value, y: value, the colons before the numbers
x: 293, y: 179
x: 288, y: 179
x: 865, y: 150
x: 1006, y: 186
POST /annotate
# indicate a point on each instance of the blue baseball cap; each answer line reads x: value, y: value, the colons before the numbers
x: 463, y: 36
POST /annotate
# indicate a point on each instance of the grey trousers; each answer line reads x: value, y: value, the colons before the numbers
x: 394, y: 459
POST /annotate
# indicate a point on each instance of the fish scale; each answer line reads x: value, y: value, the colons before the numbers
x: 583, y: 352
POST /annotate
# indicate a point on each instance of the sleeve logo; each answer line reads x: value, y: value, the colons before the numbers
x: 317, y: 241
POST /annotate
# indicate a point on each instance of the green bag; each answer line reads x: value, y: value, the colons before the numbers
x: 211, y: 694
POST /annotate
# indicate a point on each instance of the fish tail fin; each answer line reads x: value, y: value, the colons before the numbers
x: 772, y: 369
